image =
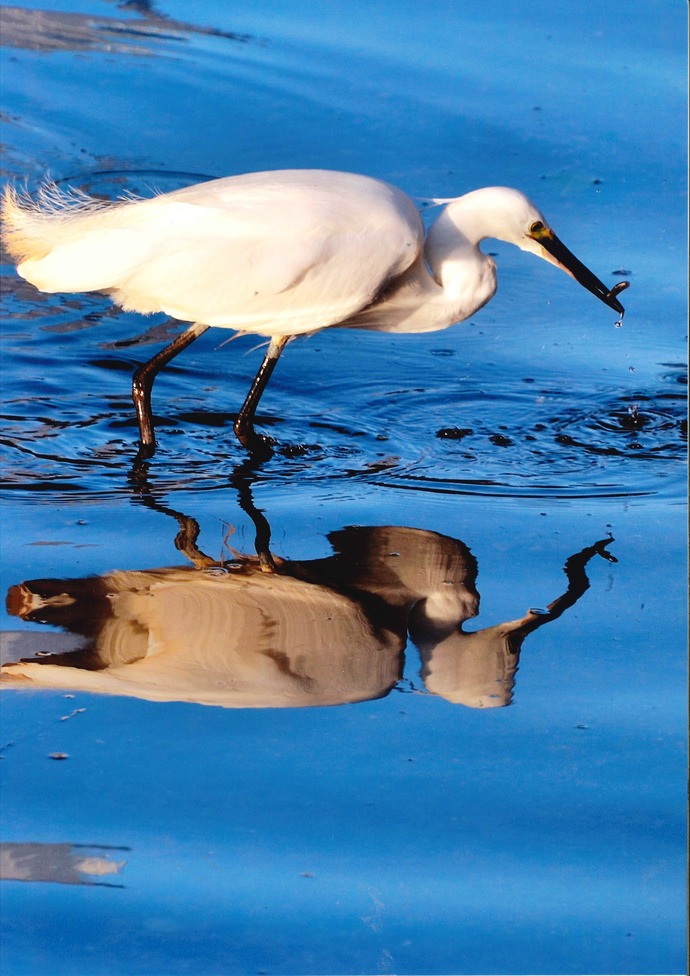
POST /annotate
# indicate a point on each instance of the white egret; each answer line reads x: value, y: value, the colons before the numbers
x: 278, y: 254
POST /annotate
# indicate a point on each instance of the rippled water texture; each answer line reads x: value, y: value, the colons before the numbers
x: 479, y: 534
x: 429, y: 410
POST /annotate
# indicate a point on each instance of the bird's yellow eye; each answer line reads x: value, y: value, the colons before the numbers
x: 537, y: 227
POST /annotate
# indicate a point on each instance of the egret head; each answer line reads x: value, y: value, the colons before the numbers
x: 508, y: 215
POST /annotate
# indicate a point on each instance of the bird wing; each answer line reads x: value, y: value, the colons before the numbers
x: 275, y: 253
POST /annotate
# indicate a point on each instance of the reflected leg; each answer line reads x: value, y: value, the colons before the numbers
x: 243, y: 479
x: 244, y: 425
x: 142, y: 381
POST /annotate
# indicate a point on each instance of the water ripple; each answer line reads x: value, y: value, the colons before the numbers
x: 605, y: 446
x: 69, y: 429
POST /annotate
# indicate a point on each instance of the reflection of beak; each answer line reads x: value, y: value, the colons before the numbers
x: 568, y: 262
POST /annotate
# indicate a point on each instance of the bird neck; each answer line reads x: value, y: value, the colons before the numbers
x: 452, y: 246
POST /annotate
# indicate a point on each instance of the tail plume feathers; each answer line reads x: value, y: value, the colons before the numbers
x: 68, y: 241
x: 31, y: 227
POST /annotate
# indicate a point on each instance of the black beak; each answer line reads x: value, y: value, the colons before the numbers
x: 576, y: 268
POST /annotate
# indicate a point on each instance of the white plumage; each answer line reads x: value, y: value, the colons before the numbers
x: 278, y: 254
x: 275, y: 254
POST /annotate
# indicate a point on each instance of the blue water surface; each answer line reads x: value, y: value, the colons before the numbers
x: 403, y: 831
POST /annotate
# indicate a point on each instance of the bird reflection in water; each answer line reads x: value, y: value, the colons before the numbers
x: 260, y: 631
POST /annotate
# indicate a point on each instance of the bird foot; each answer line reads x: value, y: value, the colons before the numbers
x: 258, y: 446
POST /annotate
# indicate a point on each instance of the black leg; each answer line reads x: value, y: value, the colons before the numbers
x: 244, y: 425
x: 142, y: 381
